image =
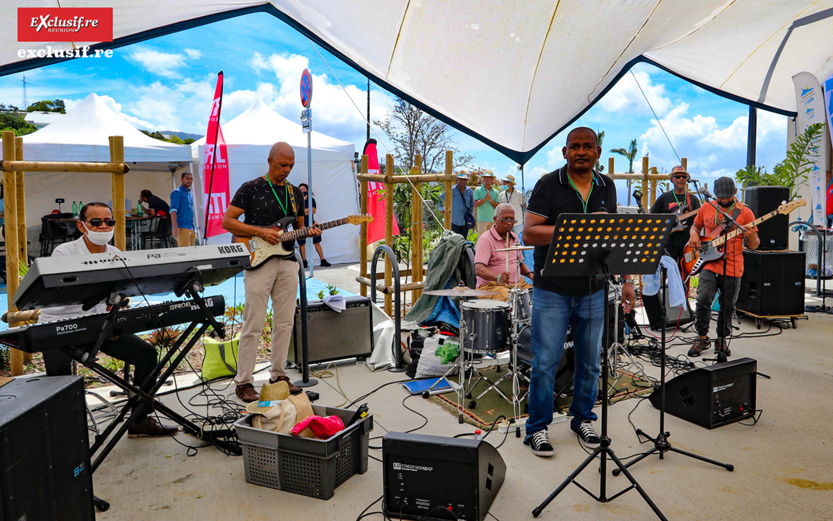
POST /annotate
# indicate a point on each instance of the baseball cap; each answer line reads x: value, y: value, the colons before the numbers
x: 724, y: 188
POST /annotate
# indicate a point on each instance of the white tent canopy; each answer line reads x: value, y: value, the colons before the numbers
x: 515, y: 73
x: 250, y: 136
x: 82, y: 135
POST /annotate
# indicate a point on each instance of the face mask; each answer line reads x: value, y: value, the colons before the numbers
x: 98, y: 238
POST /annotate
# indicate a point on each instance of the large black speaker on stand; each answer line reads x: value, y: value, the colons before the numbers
x: 772, y: 283
x: 438, y: 478
x: 774, y: 233
x: 44, y: 454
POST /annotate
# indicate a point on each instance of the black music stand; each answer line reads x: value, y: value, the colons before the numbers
x: 602, y: 245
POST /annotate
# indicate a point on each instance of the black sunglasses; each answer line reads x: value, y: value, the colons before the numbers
x: 98, y: 222
x: 679, y: 177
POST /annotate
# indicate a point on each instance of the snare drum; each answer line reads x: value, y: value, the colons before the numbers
x: 486, y: 325
x: 524, y: 302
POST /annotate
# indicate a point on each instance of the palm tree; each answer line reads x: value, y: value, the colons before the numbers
x: 600, y: 137
x: 630, y: 153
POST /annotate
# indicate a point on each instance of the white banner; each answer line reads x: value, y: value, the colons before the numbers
x: 810, y: 107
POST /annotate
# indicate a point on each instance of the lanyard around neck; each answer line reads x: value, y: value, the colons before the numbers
x: 581, y: 198
x: 285, y: 195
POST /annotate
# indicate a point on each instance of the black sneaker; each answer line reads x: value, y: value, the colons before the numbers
x: 540, y: 443
x: 325, y: 263
x: 588, y: 435
x: 699, y: 345
x: 306, y: 264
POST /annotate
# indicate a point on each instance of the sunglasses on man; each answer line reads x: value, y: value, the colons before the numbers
x: 98, y: 222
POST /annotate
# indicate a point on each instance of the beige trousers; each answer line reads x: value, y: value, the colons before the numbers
x: 186, y: 237
x: 278, y: 279
x: 483, y: 227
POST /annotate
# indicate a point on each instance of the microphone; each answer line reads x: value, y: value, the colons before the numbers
x: 637, y: 194
x: 693, y: 181
x: 705, y: 191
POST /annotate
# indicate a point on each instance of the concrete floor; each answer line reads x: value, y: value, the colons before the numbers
x: 782, y: 463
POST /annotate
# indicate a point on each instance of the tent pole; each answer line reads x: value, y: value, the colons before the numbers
x: 752, y: 136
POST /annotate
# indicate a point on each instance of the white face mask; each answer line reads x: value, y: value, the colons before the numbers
x: 98, y: 238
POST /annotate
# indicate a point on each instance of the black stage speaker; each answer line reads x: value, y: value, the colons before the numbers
x: 712, y: 396
x: 425, y: 476
x: 44, y: 456
x: 675, y: 316
x: 774, y: 233
x: 772, y: 283
x: 333, y: 335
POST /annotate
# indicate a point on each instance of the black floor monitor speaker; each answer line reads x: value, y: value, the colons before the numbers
x: 44, y: 455
x: 438, y: 478
x: 675, y: 316
x: 333, y: 335
x: 774, y: 233
x: 772, y: 283
x: 712, y: 396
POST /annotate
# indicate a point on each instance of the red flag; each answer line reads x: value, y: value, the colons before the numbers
x: 216, y: 169
x: 376, y: 204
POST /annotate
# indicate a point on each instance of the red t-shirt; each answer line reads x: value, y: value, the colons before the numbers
x: 705, y: 220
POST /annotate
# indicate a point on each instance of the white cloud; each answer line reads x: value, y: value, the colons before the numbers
x: 626, y: 98
x: 160, y: 63
x: 194, y: 54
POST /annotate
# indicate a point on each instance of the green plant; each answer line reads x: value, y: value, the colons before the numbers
x: 320, y: 295
x: 794, y: 171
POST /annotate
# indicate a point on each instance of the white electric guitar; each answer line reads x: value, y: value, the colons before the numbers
x: 261, y: 251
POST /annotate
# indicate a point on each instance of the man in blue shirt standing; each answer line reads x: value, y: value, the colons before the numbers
x: 182, y: 212
x: 462, y: 201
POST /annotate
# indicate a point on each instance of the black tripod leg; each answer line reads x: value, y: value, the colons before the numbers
x: 537, y: 510
x: 636, y: 485
x: 100, y: 504
x: 727, y: 466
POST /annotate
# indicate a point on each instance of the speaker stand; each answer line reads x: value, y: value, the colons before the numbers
x: 661, y: 444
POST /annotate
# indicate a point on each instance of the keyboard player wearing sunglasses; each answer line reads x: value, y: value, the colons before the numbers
x: 95, y: 222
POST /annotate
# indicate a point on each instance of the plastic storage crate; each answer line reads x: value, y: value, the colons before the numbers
x: 810, y: 244
x: 306, y: 466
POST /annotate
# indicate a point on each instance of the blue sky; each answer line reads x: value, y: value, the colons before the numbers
x: 167, y: 84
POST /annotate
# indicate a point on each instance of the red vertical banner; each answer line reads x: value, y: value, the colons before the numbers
x: 216, y: 169
x: 376, y: 204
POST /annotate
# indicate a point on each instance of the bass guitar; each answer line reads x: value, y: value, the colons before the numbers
x: 682, y: 217
x: 261, y: 251
x: 712, y: 246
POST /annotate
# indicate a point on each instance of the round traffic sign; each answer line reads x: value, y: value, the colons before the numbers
x: 306, y: 88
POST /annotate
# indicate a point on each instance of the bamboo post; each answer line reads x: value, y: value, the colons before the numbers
x: 389, y: 186
x: 12, y: 245
x: 363, y: 232
x: 684, y: 162
x: 645, y: 185
x: 610, y: 166
x: 416, y: 205
x: 117, y: 180
x: 449, y: 163
x: 653, y: 187
x: 22, y: 239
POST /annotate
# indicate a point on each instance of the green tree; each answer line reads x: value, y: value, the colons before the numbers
x: 416, y: 132
x: 9, y: 121
x: 47, y: 106
x: 600, y: 137
x: 629, y: 153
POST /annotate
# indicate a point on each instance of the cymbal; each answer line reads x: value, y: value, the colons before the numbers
x: 460, y: 291
x: 516, y: 248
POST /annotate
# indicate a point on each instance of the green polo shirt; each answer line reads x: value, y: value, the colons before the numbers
x: 486, y: 212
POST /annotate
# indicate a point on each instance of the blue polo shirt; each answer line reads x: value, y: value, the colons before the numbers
x: 182, y: 202
x: 459, y: 202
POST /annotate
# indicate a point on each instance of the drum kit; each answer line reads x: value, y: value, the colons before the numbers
x: 488, y: 328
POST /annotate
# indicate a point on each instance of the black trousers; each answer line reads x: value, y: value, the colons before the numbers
x: 128, y: 348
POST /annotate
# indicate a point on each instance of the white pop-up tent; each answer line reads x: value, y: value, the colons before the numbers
x: 249, y: 137
x: 82, y: 135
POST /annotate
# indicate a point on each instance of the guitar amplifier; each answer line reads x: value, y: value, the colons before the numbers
x: 333, y: 335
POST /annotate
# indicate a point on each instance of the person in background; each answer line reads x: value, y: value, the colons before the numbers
x: 264, y: 201
x: 678, y: 201
x: 829, y: 199
x: 497, y: 271
x: 713, y: 277
x: 515, y: 198
x: 182, y: 212
x: 462, y: 201
x: 155, y: 204
x: 562, y: 302
x: 316, y: 241
x: 95, y: 222
x: 485, y: 201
